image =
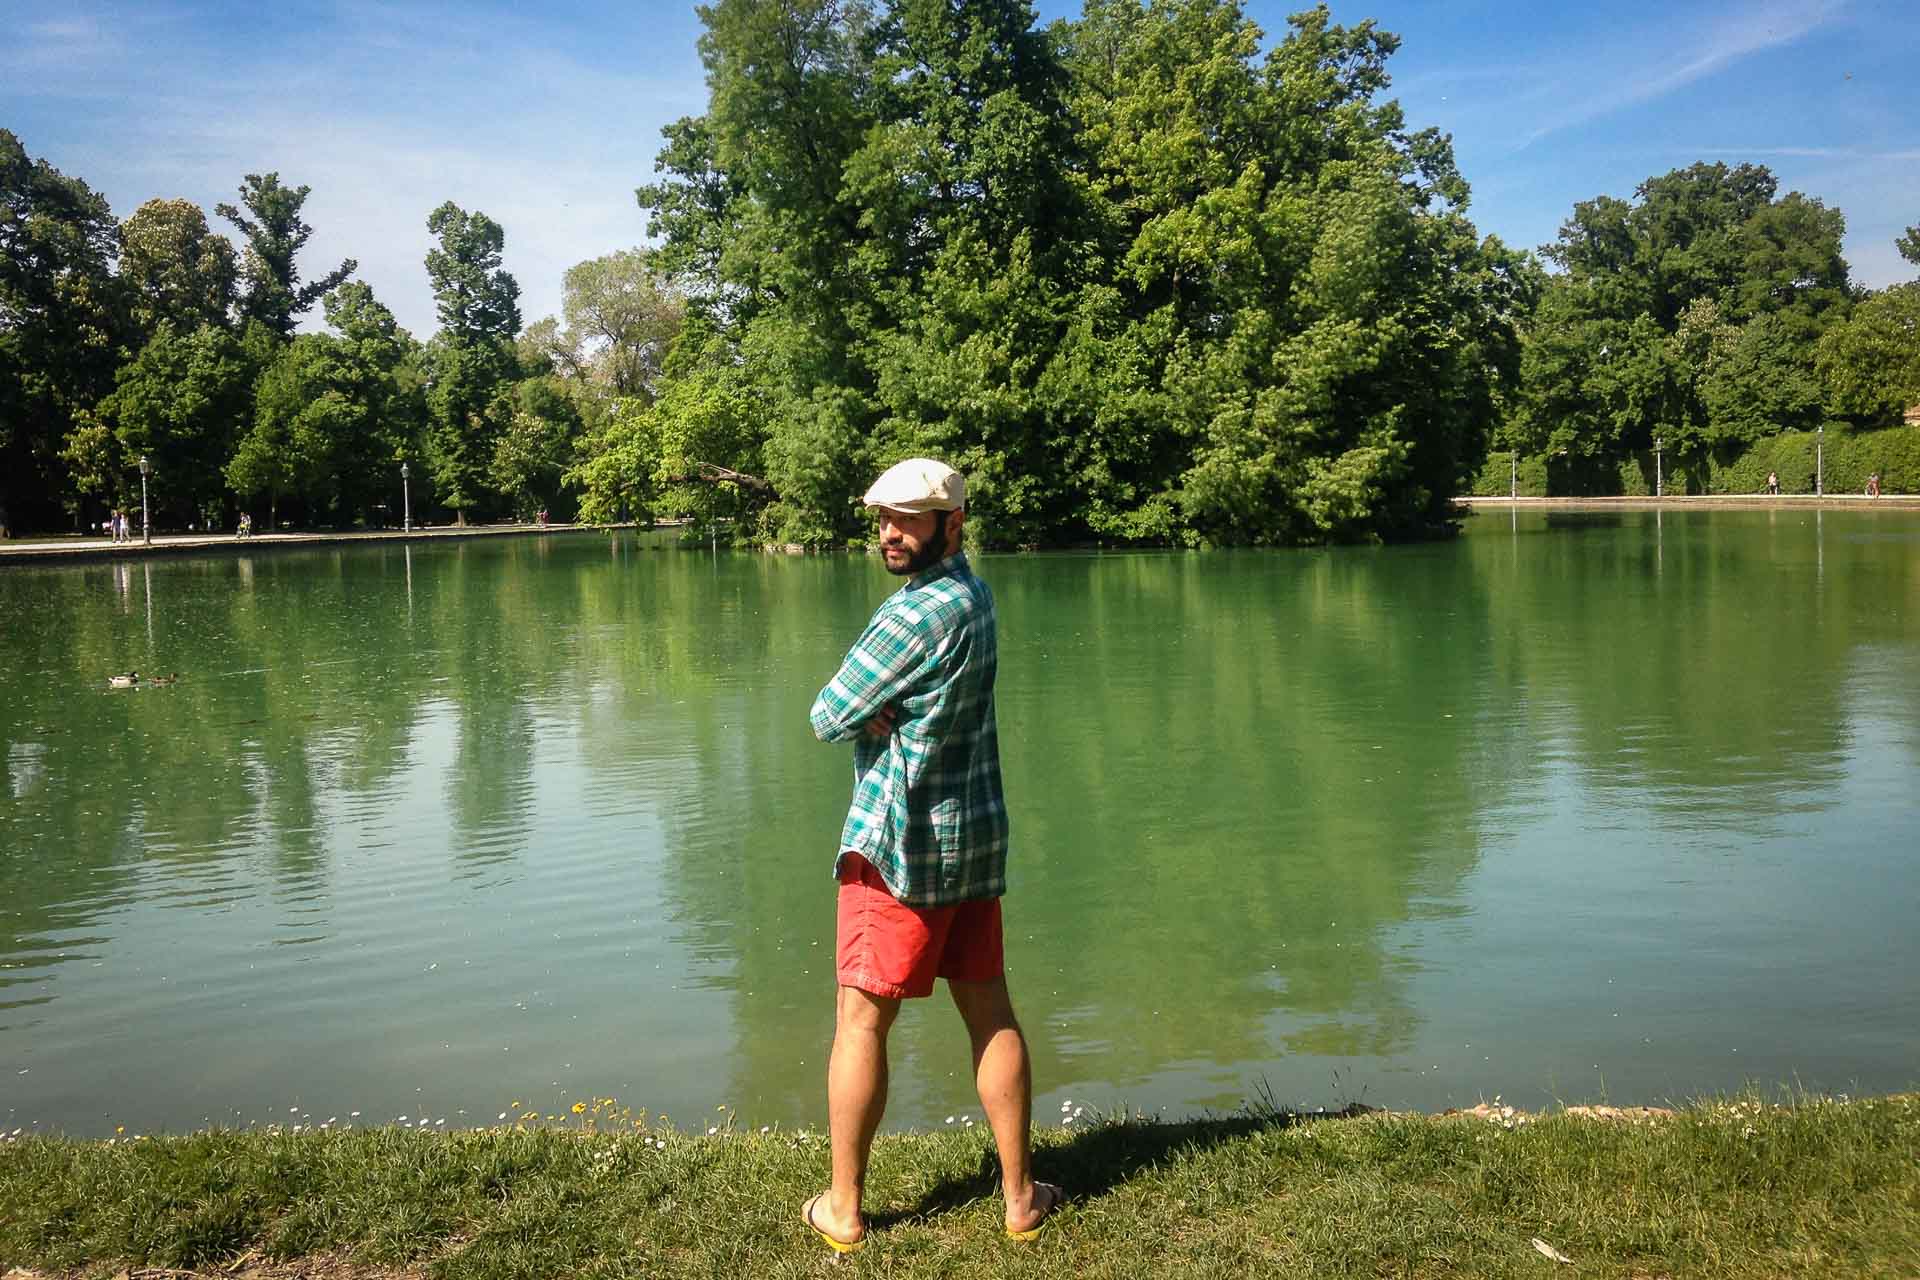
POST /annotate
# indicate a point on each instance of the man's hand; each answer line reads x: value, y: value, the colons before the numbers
x: 881, y: 725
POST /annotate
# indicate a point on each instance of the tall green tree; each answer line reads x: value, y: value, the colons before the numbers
x: 1301, y: 317
x: 62, y: 325
x: 1908, y: 244
x: 176, y: 268
x: 622, y: 317
x: 333, y: 415
x: 968, y: 187
x: 183, y: 402
x: 474, y: 296
x: 473, y: 355
x: 268, y: 216
x: 1138, y: 279
x: 755, y: 222
x: 1869, y: 366
x: 541, y: 429
x: 1689, y: 315
x: 378, y: 368
x: 283, y: 450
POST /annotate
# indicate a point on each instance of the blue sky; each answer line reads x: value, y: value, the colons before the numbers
x: 547, y: 121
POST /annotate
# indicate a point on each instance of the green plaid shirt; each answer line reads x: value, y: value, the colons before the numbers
x: 927, y: 809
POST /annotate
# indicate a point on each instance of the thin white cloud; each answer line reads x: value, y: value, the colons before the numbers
x: 58, y: 47
x: 1670, y: 60
x: 560, y: 193
x: 66, y: 29
x: 1813, y: 153
x: 384, y: 121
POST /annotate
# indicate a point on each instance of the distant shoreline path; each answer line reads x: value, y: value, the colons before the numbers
x: 72, y: 550
x: 1695, y: 502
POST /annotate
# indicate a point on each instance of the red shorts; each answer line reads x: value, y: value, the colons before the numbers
x: 886, y: 948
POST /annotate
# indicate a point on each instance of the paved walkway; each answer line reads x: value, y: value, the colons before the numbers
x: 69, y: 550
x: 75, y: 549
x: 1696, y: 502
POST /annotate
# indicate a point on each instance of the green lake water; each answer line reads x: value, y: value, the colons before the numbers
x: 1583, y: 807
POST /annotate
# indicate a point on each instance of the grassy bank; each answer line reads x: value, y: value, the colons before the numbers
x: 1730, y: 1188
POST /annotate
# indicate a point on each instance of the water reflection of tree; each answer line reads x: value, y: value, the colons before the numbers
x: 710, y: 651
x: 240, y: 758
x: 1210, y: 852
x: 1670, y: 652
x: 490, y: 619
x: 1234, y: 777
x: 1250, y: 781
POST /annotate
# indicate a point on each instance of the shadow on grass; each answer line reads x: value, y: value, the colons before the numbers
x: 1106, y: 1156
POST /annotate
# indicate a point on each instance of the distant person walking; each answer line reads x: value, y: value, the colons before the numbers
x: 922, y: 857
x: 1873, y: 485
x: 1773, y: 482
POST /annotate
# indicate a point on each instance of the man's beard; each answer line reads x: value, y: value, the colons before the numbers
x: 931, y: 552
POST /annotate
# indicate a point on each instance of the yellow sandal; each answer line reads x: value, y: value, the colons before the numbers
x: 837, y: 1245
x: 1055, y: 1197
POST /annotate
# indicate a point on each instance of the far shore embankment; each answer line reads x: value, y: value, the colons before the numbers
x: 1705, y: 502
x: 76, y: 549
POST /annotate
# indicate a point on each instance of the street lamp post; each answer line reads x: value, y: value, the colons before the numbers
x: 1819, y: 458
x: 146, y: 525
x: 1659, y: 474
x: 1513, y: 475
x: 406, y: 496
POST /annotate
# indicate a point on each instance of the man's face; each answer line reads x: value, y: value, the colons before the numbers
x: 909, y: 542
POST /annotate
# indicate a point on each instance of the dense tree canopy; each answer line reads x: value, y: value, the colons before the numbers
x: 1870, y: 363
x: 1689, y: 316
x: 470, y: 363
x: 175, y: 267
x: 61, y: 322
x: 334, y: 413
x: 1139, y: 279
x: 183, y: 403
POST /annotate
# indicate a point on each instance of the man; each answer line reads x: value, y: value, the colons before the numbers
x: 923, y: 855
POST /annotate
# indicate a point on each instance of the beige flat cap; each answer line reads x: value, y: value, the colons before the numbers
x: 918, y: 484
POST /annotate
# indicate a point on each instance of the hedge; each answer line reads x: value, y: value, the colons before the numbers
x: 1850, y: 456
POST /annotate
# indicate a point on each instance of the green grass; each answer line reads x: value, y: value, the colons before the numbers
x: 1730, y: 1188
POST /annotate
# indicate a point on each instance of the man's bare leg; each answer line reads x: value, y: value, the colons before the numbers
x: 856, y: 1099
x: 1003, y: 1074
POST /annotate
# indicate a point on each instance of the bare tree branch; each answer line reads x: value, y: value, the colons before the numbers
x: 714, y: 473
